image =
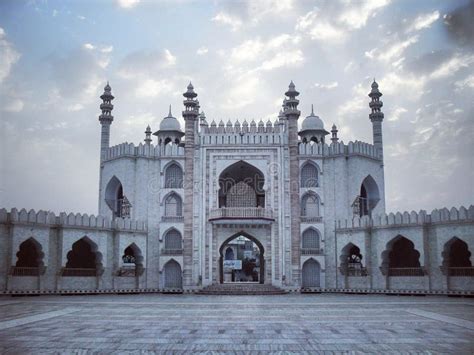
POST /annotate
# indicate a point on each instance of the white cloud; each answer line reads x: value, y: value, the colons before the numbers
x: 355, y: 16
x: 15, y: 105
x: 283, y: 59
x: 393, y: 52
x: 8, y: 56
x: 89, y: 46
x: 329, y: 86
x: 80, y: 17
x: 395, y: 114
x: 423, y: 21
x: 152, y: 88
x: 318, y: 28
x: 452, y: 65
x: 202, y: 51
x: 225, y: 19
x: 467, y: 82
x: 127, y: 4
x: 170, y: 58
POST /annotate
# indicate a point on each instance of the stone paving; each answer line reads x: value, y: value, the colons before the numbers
x: 176, y: 324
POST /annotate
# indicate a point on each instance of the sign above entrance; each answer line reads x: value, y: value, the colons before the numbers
x: 233, y: 264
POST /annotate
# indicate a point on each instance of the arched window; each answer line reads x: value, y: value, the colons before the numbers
x: 369, y: 196
x: 311, y: 274
x: 174, y: 176
x: 351, y: 261
x: 172, y: 275
x: 309, y: 175
x: 310, y: 205
x: 173, y: 206
x: 310, y: 239
x: 229, y: 254
x: 83, y: 259
x: 128, y: 257
x: 115, y: 198
x: 29, y: 259
x: 401, y: 258
x: 457, y: 258
x: 173, y: 240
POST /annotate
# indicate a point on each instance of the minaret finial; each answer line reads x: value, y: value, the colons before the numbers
x: 312, y: 110
x: 169, y: 113
x: 334, y: 138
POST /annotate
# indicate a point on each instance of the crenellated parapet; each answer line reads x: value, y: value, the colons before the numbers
x: 71, y: 220
x: 437, y: 216
x: 338, y: 148
x: 143, y: 150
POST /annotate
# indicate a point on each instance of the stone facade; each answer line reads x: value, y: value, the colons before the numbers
x: 318, y: 214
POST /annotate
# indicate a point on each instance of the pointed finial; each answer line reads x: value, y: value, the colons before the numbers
x: 312, y: 110
x: 169, y: 113
x: 190, y: 86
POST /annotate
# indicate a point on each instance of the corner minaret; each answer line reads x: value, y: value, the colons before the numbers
x: 191, y: 118
x: 376, y: 117
x: 334, y: 131
x: 148, y: 135
x: 105, y: 119
x: 292, y: 114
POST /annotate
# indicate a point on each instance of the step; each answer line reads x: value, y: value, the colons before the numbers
x: 241, y: 289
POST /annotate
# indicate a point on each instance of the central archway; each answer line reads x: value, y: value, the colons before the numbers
x: 260, y: 257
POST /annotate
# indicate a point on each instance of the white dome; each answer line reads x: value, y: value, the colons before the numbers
x: 170, y: 123
x: 312, y: 123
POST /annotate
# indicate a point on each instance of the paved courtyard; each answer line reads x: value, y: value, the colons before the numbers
x: 235, y: 324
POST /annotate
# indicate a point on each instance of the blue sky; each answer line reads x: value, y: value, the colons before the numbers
x: 56, y: 56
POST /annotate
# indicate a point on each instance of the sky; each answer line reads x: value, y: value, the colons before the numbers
x: 56, y: 57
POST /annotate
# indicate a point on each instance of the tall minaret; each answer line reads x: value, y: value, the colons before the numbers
x: 292, y: 114
x: 191, y: 118
x: 376, y: 116
x: 105, y: 119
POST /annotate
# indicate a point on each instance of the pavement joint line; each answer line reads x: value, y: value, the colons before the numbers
x: 35, y: 318
x: 442, y: 318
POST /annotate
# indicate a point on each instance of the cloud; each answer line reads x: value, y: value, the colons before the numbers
x: 460, y: 26
x: 202, y: 51
x: 356, y: 14
x: 146, y: 63
x: 395, y: 114
x: 14, y: 105
x: 127, y: 4
x: 465, y: 83
x: 8, y: 56
x: 423, y: 21
x: 317, y: 28
x: 329, y: 86
x: 392, y: 51
x: 225, y: 19
x: 452, y: 65
x: 152, y: 88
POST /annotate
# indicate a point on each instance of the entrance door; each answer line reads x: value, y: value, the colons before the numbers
x: 311, y: 273
x: 241, y: 260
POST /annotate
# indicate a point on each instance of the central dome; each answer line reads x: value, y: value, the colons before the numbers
x: 312, y: 123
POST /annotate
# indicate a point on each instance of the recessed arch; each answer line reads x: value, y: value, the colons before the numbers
x: 132, y: 255
x: 351, y: 261
x: 172, y: 274
x: 261, y: 258
x: 84, y: 255
x: 400, y: 258
x: 456, y: 258
x: 311, y: 274
x: 369, y: 196
x: 30, y: 254
x: 173, y: 205
x: 173, y: 173
x: 172, y: 239
x: 241, y: 185
x: 309, y: 175
x: 310, y: 205
x: 310, y: 238
x: 114, y: 196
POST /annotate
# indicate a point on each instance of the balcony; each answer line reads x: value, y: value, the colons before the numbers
x: 306, y: 219
x: 174, y: 219
x: 167, y: 251
x: 406, y: 271
x: 312, y: 251
x: 79, y: 272
x: 241, y: 213
x: 26, y: 271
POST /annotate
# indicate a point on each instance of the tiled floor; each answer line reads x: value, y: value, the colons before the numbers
x: 236, y: 324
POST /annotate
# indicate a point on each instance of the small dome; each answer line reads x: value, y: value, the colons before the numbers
x: 170, y: 123
x: 312, y: 122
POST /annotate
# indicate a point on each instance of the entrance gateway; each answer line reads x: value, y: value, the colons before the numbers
x: 241, y: 259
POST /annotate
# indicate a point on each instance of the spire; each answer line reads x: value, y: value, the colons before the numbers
x: 312, y: 110
x: 291, y: 103
x: 148, y: 135
x: 334, y: 131
x: 169, y: 113
x: 191, y: 104
x: 376, y: 117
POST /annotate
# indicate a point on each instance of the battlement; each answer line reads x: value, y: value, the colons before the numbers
x: 47, y: 218
x: 143, y: 150
x: 334, y: 149
x: 409, y: 218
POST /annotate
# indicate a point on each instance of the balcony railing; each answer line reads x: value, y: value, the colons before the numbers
x: 461, y: 271
x: 406, y: 271
x: 307, y: 219
x: 25, y: 271
x: 241, y: 213
x: 78, y: 272
x: 311, y: 251
x: 172, y: 219
x: 167, y: 251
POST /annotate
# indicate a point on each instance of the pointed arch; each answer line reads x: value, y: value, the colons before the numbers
x: 310, y: 204
x: 172, y: 275
x: 369, y: 196
x: 229, y: 254
x: 114, y: 196
x: 457, y: 258
x: 83, y: 259
x: 310, y: 239
x: 309, y: 174
x: 173, y: 205
x: 400, y: 258
x: 30, y: 254
x: 241, y: 173
x: 173, y: 239
x: 351, y: 261
x: 311, y: 274
x: 173, y: 176
x: 132, y: 255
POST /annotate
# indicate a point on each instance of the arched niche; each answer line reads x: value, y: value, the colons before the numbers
x: 369, y: 196
x: 457, y: 258
x: 311, y: 274
x: 241, y: 185
x: 84, y: 259
x: 309, y: 175
x: 351, y: 261
x: 400, y: 258
x: 114, y: 196
x: 172, y: 275
x: 173, y: 176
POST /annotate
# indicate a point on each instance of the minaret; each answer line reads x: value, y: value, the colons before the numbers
x: 148, y: 135
x: 334, y: 131
x: 106, y: 119
x: 191, y: 118
x: 376, y: 116
x: 292, y: 114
